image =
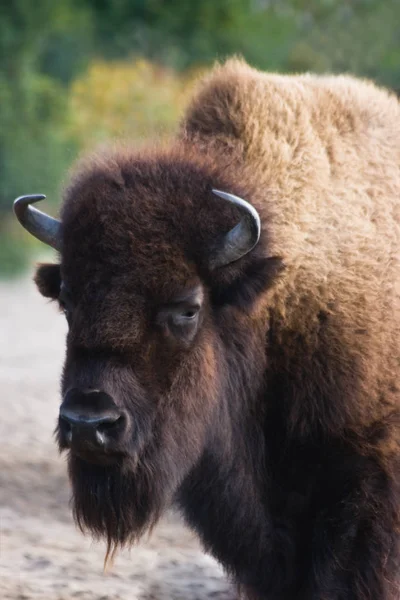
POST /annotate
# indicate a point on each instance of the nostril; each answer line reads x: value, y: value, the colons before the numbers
x: 108, y: 430
x: 107, y: 420
x: 109, y: 424
x: 100, y: 437
x: 65, y: 429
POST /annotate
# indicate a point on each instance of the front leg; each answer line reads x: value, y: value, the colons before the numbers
x: 355, y: 547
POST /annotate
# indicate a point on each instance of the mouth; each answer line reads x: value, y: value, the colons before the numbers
x: 103, y: 459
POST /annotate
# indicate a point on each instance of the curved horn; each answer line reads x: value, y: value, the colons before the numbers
x: 41, y: 226
x: 242, y: 238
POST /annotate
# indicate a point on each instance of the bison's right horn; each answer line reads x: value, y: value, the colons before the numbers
x: 41, y: 226
x: 242, y: 238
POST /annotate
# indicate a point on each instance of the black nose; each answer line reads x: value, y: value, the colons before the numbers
x: 90, y: 420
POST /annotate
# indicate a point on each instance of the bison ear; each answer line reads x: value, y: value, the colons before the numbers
x: 48, y: 280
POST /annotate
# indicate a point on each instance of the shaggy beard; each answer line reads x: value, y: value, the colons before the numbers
x: 118, y: 503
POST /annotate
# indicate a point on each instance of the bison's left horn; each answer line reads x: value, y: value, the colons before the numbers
x: 242, y: 238
x: 41, y: 226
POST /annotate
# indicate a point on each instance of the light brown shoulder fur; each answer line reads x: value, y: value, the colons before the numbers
x: 324, y: 155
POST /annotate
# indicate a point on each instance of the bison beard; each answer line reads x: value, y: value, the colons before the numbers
x: 117, y: 503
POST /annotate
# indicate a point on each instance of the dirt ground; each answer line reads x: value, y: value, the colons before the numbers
x: 42, y: 555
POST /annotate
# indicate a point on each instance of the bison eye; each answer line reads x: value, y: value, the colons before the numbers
x: 181, y: 321
x: 189, y: 314
x: 182, y: 316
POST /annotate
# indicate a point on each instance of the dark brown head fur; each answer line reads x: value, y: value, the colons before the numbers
x: 137, y: 232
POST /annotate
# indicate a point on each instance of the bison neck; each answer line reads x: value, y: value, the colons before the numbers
x: 224, y: 500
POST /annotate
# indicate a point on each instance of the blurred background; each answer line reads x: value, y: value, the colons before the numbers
x: 75, y: 73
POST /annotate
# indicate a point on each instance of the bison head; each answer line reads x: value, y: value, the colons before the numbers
x: 158, y: 279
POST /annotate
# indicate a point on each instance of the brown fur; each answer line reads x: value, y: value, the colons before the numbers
x: 276, y: 426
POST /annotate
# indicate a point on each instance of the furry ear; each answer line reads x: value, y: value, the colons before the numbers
x: 256, y: 279
x: 48, y: 280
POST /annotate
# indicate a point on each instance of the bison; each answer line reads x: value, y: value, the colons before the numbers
x: 233, y: 305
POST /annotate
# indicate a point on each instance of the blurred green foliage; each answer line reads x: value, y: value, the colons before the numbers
x: 128, y: 100
x: 75, y: 72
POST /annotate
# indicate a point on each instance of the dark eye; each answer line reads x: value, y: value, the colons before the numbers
x: 189, y: 314
x: 181, y: 321
x: 184, y: 315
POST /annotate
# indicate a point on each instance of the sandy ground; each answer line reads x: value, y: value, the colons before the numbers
x: 42, y: 555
